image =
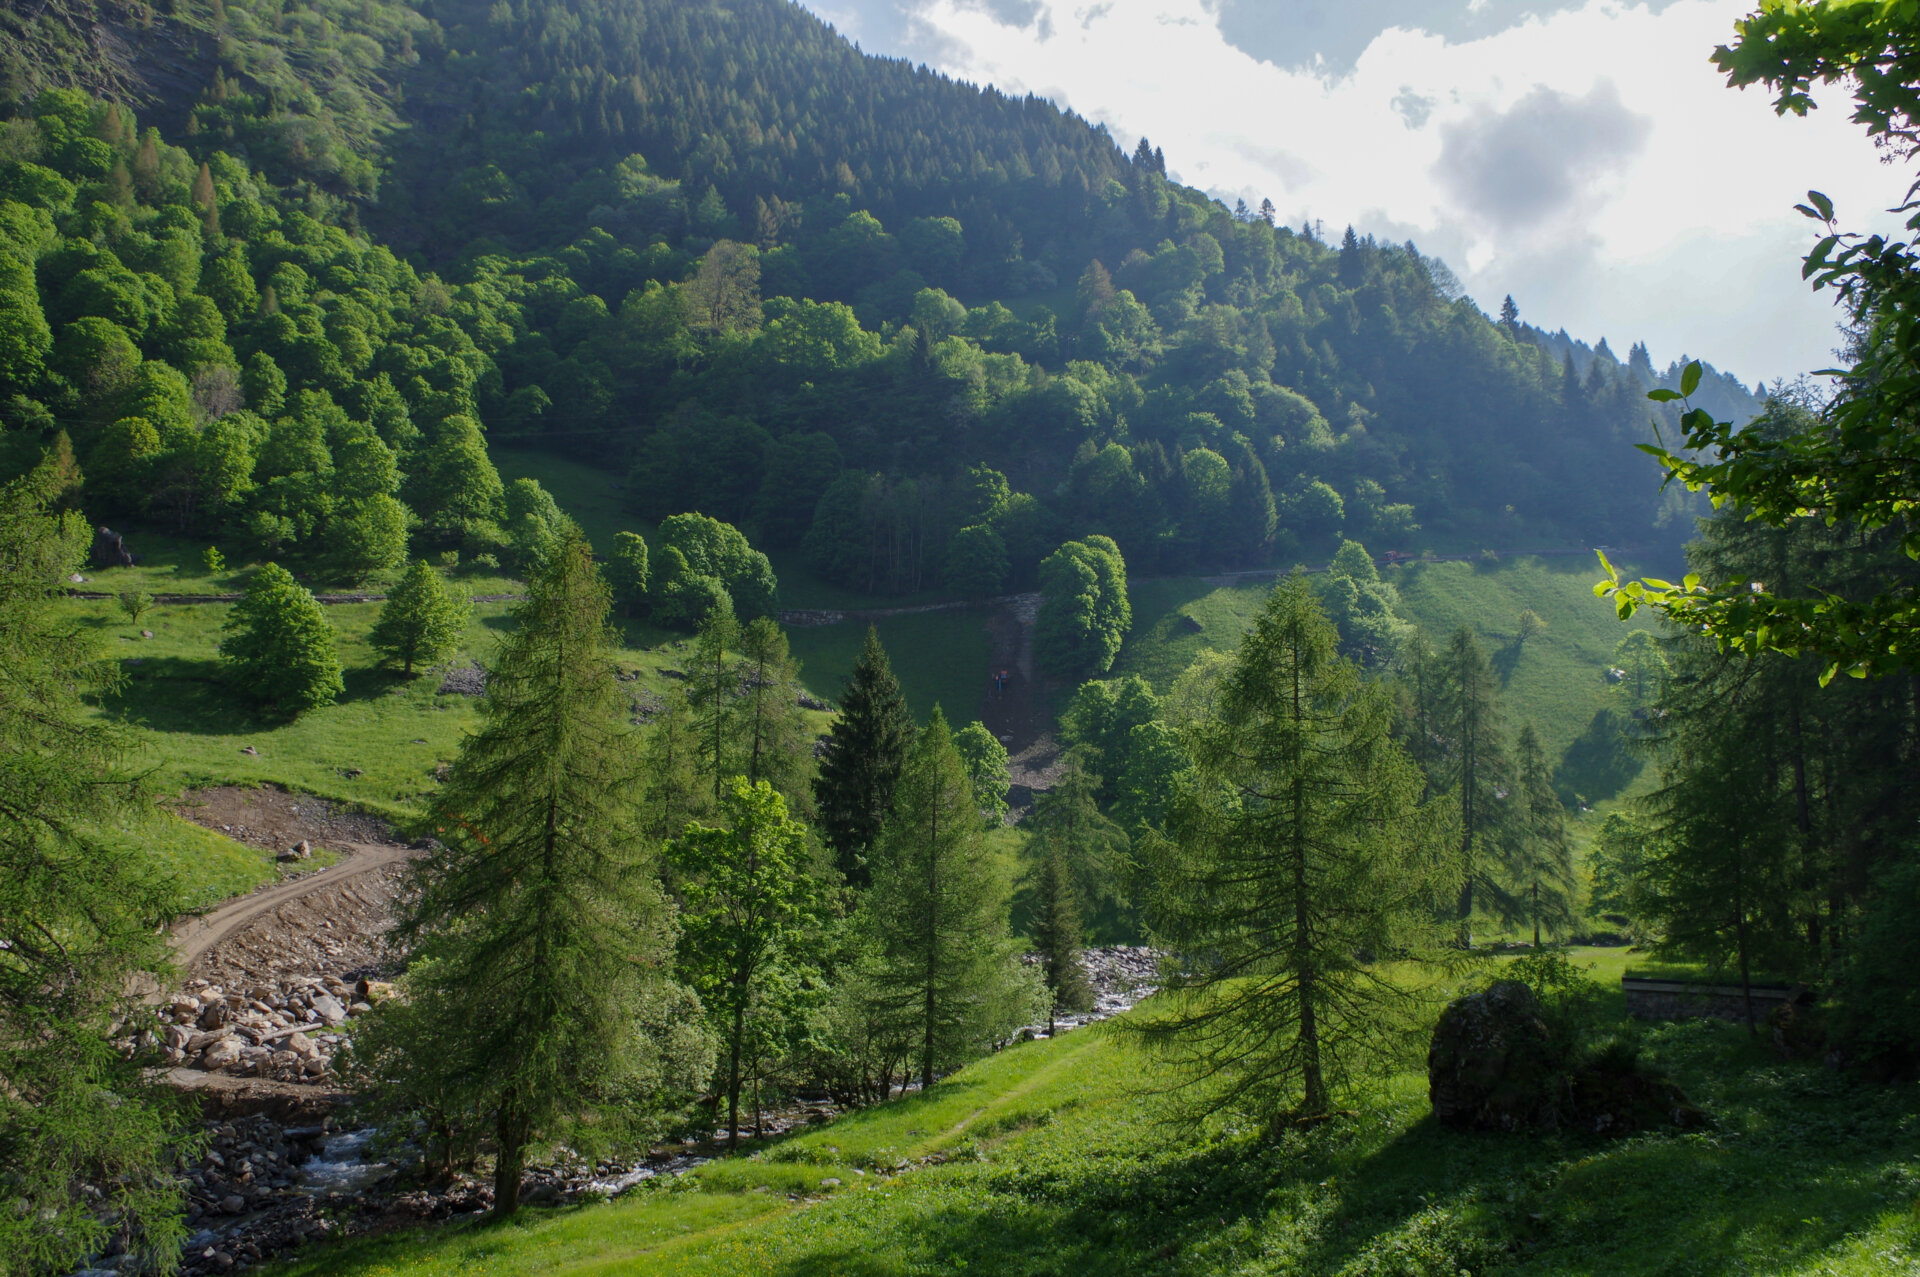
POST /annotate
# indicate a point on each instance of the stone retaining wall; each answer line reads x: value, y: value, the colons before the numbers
x: 1680, y: 1000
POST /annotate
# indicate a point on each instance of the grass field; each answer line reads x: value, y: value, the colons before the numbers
x: 1054, y: 1158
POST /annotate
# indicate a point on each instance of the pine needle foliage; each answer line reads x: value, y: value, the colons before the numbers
x: 1545, y: 879
x: 1294, y: 887
x: 82, y: 914
x: 422, y: 620
x: 938, y: 910
x: 540, y: 910
x: 1056, y: 937
x: 866, y: 748
x: 1474, y: 770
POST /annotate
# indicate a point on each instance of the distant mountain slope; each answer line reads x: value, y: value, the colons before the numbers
x: 920, y: 330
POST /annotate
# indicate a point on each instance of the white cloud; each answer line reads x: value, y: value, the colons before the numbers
x: 1590, y: 161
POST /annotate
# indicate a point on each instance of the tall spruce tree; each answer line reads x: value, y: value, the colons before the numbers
x: 540, y: 913
x: 866, y: 748
x: 85, y: 1145
x: 938, y: 912
x: 1473, y: 767
x: 1544, y: 877
x: 1293, y: 862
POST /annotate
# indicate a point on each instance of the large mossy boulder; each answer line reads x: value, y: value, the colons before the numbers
x: 1493, y: 1064
x: 1496, y: 1063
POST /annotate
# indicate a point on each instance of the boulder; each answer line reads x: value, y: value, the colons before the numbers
x: 329, y: 1009
x: 302, y: 850
x: 1493, y: 1064
x: 110, y: 549
x: 222, y: 1054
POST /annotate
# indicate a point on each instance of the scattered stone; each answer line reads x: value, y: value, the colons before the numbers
x: 329, y: 1009
x: 468, y: 680
x: 302, y: 850
x: 352, y: 773
x: 250, y: 750
x: 812, y: 702
x: 76, y: 578
x: 146, y: 634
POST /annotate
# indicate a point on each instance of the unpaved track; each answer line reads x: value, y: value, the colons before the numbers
x: 194, y: 938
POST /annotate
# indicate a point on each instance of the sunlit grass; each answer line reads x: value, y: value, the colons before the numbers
x: 1054, y: 1158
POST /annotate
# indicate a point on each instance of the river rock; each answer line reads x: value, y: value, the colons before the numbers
x: 1493, y: 1064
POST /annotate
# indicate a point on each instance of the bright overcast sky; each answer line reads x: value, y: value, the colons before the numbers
x: 1584, y: 157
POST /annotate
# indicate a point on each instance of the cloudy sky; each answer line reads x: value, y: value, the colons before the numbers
x: 1582, y: 155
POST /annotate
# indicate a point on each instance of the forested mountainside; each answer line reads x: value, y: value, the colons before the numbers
x: 923, y: 331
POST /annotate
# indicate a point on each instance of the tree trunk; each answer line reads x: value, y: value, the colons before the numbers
x: 510, y: 1132
x: 733, y: 1070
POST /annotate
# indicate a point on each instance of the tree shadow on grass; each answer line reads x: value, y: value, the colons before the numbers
x: 178, y: 694
x: 1506, y: 659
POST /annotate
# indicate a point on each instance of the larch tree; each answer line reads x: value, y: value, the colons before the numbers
x: 540, y: 911
x: 88, y: 1148
x: 1473, y: 767
x: 713, y: 693
x: 746, y: 897
x: 774, y: 745
x: 1294, y: 861
x: 866, y: 748
x: 938, y: 913
x: 1056, y: 936
x: 1545, y: 877
x: 422, y: 621
x: 1067, y: 822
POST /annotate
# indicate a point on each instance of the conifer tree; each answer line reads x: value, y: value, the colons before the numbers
x: 1067, y: 820
x: 773, y: 746
x: 938, y: 913
x: 85, y: 1144
x: 671, y: 794
x: 747, y: 896
x: 422, y: 620
x: 279, y: 646
x: 1546, y: 878
x: 1056, y: 937
x: 1473, y: 767
x: 1291, y: 862
x: 540, y: 912
x: 713, y: 688
x: 866, y: 748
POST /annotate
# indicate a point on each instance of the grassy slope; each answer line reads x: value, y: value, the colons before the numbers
x: 941, y: 657
x: 1045, y: 1159
x: 1557, y: 682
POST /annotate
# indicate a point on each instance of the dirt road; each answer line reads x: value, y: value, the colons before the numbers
x: 195, y: 937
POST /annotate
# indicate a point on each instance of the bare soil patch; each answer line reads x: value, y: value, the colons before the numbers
x: 275, y: 819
